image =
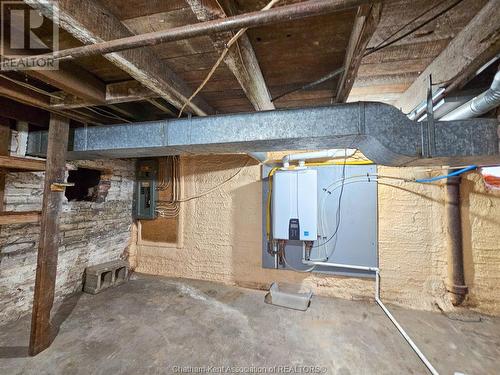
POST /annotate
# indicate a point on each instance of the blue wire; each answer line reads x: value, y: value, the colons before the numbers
x: 456, y: 173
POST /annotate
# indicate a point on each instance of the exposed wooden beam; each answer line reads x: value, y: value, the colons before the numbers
x: 21, y: 94
x: 91, y: 22
x: 22, y: 112
x: 15, y: 163
x: 46, y: 270
x: 284, y: 13
x: 19, y: 217
x: 124, y: 112
x: 241, y: 58
x: 121, y: 92
x: 128, y: 91
x: 365, y: 24
x: 73, y: 80
x: 161, y: 107
x: 471, y: 48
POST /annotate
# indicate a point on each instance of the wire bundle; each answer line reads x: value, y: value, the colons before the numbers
x: 169, y: 177
x: 171, y: 208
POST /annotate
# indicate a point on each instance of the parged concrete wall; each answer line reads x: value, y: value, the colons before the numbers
x: 220, y: 239
x: 91, y: 233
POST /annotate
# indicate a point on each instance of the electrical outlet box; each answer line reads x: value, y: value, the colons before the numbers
x: 295, y: 205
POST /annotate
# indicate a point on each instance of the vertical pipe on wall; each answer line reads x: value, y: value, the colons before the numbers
x: 456, y: 279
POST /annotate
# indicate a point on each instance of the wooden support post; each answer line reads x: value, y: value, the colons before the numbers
x: 46, y: 269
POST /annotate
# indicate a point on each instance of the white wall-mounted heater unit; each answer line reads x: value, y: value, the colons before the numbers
x: 295, y: 205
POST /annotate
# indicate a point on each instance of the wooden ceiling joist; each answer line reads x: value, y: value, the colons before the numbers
x: 78, y: 17
x: 90, y: 22
x: 121, y: 92
x: 471, y: 48
x: 364, y: 27
x: 73, y: 80
x: 15, y: 110
x: 20, y: 94
x: 241, y: 58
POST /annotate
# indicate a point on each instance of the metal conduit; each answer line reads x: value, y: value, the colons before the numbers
x: 478, y: 106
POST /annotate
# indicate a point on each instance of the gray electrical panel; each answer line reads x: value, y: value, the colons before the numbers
x: 145, y: 194
x: 355, y: 241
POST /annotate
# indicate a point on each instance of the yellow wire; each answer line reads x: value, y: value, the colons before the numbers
x: 268, y: 210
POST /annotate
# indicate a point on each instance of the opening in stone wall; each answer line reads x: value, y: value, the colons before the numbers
x: 89, y: 186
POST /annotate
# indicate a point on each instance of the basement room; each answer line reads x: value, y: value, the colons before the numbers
x: 250, y: 186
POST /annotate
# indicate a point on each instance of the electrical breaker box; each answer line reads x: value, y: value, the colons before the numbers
x: 295, y: 205
x: 145, y: 194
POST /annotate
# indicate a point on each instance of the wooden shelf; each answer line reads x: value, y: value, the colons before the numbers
x: 14, y: 163
x: 19, y: 217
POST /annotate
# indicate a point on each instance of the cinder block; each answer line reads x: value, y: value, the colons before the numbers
x: 105, y: 275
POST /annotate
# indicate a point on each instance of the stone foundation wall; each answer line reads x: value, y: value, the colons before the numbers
x: 91, y: 233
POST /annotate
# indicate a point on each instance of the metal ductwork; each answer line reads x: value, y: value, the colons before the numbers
x: 380, y: 131
x: 478, y: 106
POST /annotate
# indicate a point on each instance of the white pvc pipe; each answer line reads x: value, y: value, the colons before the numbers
x: 325, y: 154
x: 408, y: 339
x: 340, y: 265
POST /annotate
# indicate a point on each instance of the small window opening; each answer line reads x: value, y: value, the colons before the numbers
x: 87, y: 185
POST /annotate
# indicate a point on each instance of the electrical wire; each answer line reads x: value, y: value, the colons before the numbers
x: 338, y: 214
x: 409, y: 23
x: 216, y: 187
x: 104, y: 113
x: 446, y: 10
x: 31, y: 87
x: 328, y: 190
x: 221, y: 58
x: 370, y: 178
x: 329, y: 76
x: 359, y: 161
x: 456, y: 173
x: 296, y: 269
x: 170, y: 208
x: 377, y: 48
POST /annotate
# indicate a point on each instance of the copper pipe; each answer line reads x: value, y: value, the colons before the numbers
x: 253, y: 19
x: 456, y: 279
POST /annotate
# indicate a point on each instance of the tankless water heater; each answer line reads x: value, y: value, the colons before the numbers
x: 295, y: 205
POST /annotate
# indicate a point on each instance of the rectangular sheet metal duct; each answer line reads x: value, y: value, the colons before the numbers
x: 380, y: 131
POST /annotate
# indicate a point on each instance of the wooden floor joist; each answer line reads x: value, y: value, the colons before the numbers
x: 41, y: 335
x: 15, y: 164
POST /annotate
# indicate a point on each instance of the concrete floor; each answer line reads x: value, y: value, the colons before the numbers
x: 151, y: 325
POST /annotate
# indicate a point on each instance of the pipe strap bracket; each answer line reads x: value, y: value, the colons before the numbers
x: 457, y: 289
